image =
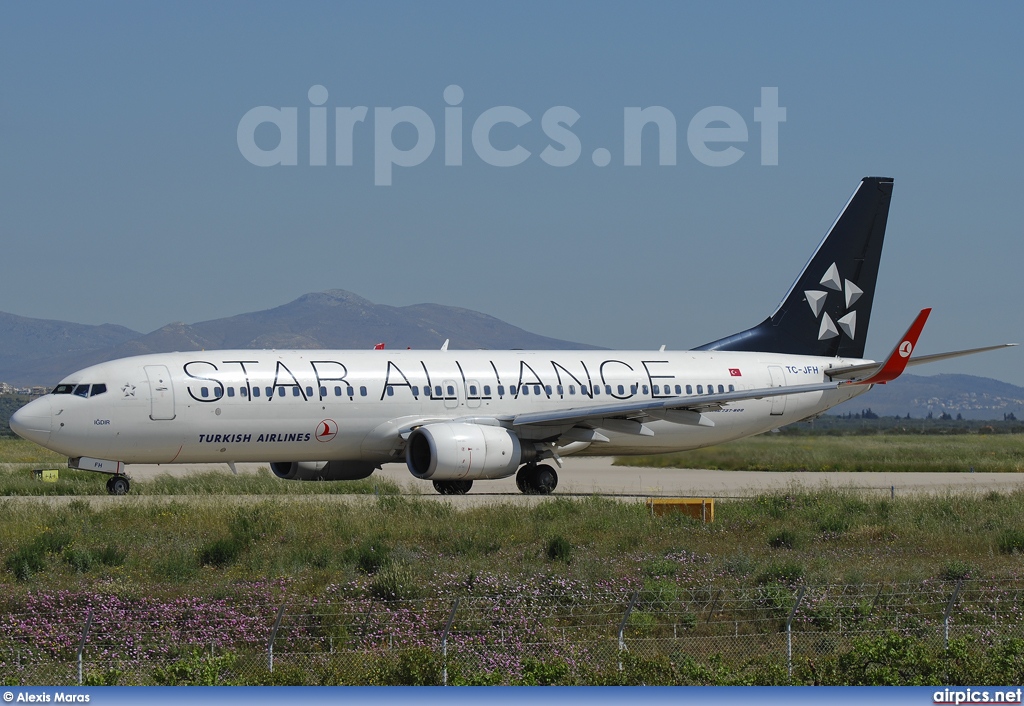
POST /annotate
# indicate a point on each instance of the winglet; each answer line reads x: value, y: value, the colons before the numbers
x: 897, y: 361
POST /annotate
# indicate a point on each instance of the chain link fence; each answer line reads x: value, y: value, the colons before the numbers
x: 534, y: 638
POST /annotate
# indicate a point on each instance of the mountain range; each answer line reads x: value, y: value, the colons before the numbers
x: 41, y: 352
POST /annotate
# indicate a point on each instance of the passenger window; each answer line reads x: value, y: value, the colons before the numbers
x: 83, y: 391
x: 679, y: 390
x: 437, y: 391
x: 622, y: 390
x: 362, y: 391
x: 415, y: 390
x: 350, y: 392
x: 472, y: 390
x: 731, y: 388
x: 98, y: 389
x: 218, y: 392
x: 323, y: 392
x: 536, y: 390
x: 501, y: 390
x: 721, y: 389
x: 689, y: 389
x: 231, y: 392
x: 309, y: 392
x: 255, y: 392
x: 451, y: 391
x: 296, y: 392
x: 597, y: 390
x: 487, y: 390
x: 280, y: 392
x: 526, y: 390
x: 560, y: 390
x: 391, y: 391
x: 242, y: 392
x: 608, y: 389
x: 512, y: 390
x: 270, y: 392
x: 583, y: 390
x: 337, y: 390
x: 547, y: 389
x: 203, y: 392
x: 711, y: 389
x: 700, y: 389
x: 657, y: 390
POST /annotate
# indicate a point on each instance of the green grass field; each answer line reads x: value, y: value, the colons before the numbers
x: 821, y: 537
x: 982, y: 453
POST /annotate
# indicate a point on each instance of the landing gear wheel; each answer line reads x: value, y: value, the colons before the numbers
x: 536, y: 480
x: 453, y: 487
x: 545, y: 480
x: 522, y: 477
x: 118, y: 485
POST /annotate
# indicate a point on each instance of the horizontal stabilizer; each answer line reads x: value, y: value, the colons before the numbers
x: 852, y: 371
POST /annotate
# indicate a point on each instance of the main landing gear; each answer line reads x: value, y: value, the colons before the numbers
x: 453, y: 487
x: 536, y: 480
x: 532, y: 479
x: 118, y: 485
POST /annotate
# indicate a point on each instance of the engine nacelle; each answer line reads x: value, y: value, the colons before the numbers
x: 323, y: 470
x: 459, y: 451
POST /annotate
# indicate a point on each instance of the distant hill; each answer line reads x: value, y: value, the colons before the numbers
x: 37, y: 352
x: 24, y: 341
x: 24, y: 337
x: 918, y: 395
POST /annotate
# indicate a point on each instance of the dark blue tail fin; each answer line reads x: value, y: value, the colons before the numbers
x: 827, y: 310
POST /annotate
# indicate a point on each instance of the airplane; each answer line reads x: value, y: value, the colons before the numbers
x: 460, y: 416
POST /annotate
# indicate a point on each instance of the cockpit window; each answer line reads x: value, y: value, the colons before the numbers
x: 80, y: 390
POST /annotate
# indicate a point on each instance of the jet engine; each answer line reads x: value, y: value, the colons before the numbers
x: 460, y: 451
x: 323, y: 470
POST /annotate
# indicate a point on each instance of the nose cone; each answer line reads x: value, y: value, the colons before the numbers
x: 33, y: 421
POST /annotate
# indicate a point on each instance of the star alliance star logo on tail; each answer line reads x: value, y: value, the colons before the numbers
x: 816, y: 300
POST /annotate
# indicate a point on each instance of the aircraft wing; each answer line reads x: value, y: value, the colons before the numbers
x: 663, y: 408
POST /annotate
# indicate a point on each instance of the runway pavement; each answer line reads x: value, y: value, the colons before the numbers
x: 597, y: 476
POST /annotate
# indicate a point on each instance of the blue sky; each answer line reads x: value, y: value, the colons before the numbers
x: 125, y: 197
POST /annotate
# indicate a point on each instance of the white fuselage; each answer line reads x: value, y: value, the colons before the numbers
x: 309, y: 405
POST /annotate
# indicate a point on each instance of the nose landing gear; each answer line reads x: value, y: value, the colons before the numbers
x: 118, y: 485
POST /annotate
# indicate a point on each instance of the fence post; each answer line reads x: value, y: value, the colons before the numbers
x: 273, y: 636
x: 622, y: 626
x: 789, y: 631
x: 949, y: 609
x: 714, y: 604
x: 81, y: 645
x: 444, y: 643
